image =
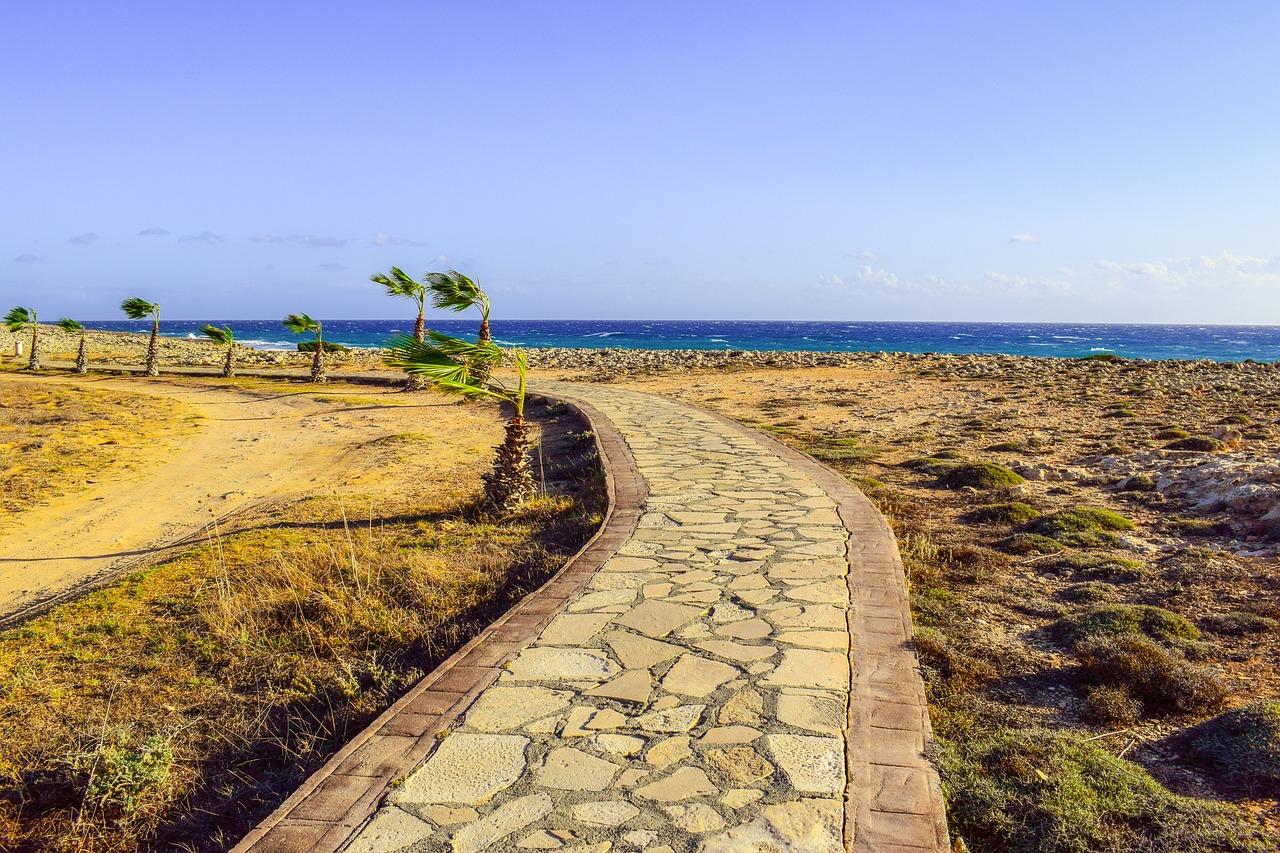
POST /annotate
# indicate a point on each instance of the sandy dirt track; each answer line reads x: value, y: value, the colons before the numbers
x: 247, y: 446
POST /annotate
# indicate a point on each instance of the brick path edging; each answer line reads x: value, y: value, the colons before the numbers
x: 332, y: 803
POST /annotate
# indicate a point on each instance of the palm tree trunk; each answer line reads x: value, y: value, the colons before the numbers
x: 317, y: 365
x: 420, y: 329
x: 229, y: 366
x: 416, y: 381
x: 34, y: 363
x: 483, y: 336
x: 153, y: 351
x: 482, y: 371
x: 510, y: 483
x: 82, y: 358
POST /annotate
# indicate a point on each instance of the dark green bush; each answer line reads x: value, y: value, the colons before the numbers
x: 1117, y: 620
x: 1171, y: 433
x: 1030, y: 543
x: 329, y: 346
x: 1082, y: 526
x: 1107, y: 705
x: 1138, y: 483
x: 1236, y: 419
x: 1011, y: 513
x: 1089, y: 592
x: 978, y: 475
x: 1238, y: 624
x: 1244, y: 744
x: 1198, y: 445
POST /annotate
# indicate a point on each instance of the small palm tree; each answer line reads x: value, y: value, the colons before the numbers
x: 227, y: 338
x: 82, y: 358
x: 461, y: 368
x: 138, y: 309
x: 401, y: 284
x: 300, y: 324
x: 20, y: 319
x: 453, y: 291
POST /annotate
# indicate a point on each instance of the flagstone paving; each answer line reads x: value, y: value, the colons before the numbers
x: 696, y: 695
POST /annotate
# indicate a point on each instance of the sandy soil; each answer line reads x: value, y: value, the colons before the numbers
x: 249, y: 446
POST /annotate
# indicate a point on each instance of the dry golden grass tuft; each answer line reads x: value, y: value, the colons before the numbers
x: 54, y: 438
x: 173, y: 709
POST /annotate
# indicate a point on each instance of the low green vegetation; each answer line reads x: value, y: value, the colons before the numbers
x: 1238, y: 624
x: 978, y: 475
x: 1197, y: 444
x: 1009, y: 513
x: 1159, y: 677
x: 1030, y: 543
x: 1082, y: 527
x: 1243, y: 744
x: 1118, y: 620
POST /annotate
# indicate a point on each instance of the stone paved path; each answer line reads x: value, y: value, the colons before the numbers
x: 696, y: 695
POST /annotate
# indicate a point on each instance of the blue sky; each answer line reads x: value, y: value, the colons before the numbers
x: 1090, y: 161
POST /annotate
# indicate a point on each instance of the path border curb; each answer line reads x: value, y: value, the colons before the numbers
x: 336, y: 800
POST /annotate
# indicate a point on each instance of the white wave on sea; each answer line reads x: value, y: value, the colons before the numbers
x: 602, y: 334
x: 269, y: 345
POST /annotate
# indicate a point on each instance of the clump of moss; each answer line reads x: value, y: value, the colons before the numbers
x: 1236, y: 419
x: 1111, y: 706
x: 1160, y: 678
x: 1200, y: 526
x: 1138, y: 483
x: 1099, y: 566
x: 1199, y: 444
x: 932, y: 465
x: 1119, y: 620
x: 1238, y: 624
x: 845, y: 452
x: 1171, y: 433
x: 1030, y: 543
x: 978, y: 475
x: 1010, y: 513
x: 1244, y: 744
x: 1085, y: 527
x: 1121, y: 413
x: 1103, y: 356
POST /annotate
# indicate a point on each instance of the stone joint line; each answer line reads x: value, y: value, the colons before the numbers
x: 695, y: 697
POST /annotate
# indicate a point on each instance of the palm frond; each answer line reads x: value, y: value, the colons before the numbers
x: 399, y: 283
x: 18, y: 317
x: 427, y: 360
x: 300, y: 324
x: 453, y: 291
x: 69, y: 325
x: 487, y: 353
x: 136, y: 308
x: 220, y: 336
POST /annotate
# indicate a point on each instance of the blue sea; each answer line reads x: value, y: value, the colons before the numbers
x: 1066, y: 340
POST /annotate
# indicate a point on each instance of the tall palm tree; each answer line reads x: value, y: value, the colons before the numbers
x: 458, y: 367
x: 20, y: 319
x: 227, y: 338
x: 453, y: 291
x: 300, y: 324
x: 401, y: 284
x: 138, y: 309
x: 82, y: 358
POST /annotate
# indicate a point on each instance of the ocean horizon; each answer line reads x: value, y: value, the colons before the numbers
x: 1061, y: 340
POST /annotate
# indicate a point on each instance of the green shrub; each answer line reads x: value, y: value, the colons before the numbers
x: 1198, y: 445
x: 866, y: 484
x: 1102, y: 356
x: 329, y: 346
x: 122, y: 777
x: 978, y: 475
x: 1161, y: 679
x: 1106, y: 705
x: 1121, y: 413
x: 1011, y: 513
x: 1171, y: 433
x: 845, y: 453
x: 1089, y: 592
x: 1244, y: 743
x: 1200, y: 526
x: 1030, y: 543
x: 932, y: 465
x: 1239, y: 624
x: 1138, y: 483
x: 1236, y: 419
x: 1082, y: 526
x: 1118, y: 620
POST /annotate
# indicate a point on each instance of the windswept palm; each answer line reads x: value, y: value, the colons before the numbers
x: 82, y: 358
x: 463, y: 369
x: 401, y: 284
x: 301, y: 324
x: 139, y: 309
x: 227, y: 338
x: 453, y: 291
x: 20, y: 319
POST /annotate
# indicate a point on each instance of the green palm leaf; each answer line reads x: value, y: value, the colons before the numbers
x: 221, y: 336
x: 69, y: 325
x: 19, y: 318
x: 300, y: 324
x: 136, y: 308
x: 453, y: 291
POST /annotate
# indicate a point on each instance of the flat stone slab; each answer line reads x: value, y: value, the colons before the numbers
x: 466, y: 769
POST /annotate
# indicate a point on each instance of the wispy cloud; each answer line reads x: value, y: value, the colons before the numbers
x: 83, y: 239
x: 1024, y: 238
x: 1201, y: 273
x: 864, y: 255
x: 442, y: 260
x: 1026, y: 284
x: 301, y: 240
x: 25, y: 259
x: 153, y: 232
x: 334, y: 266
x: 381, y: 239
x: 203, y: 237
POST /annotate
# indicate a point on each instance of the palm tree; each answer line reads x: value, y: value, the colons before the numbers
x: 399, y: 283
x: 458, y: 367
x: 227, y: 338
x: 82, y: 358
x: 300, y: 324
x: 20, y: 319
x: 137, y: 309
x: 453, y: 291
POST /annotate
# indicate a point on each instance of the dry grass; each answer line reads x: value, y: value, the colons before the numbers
x: 54, y: 439
x: 250, y: 659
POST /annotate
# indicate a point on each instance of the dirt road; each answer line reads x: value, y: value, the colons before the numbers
x: 247, y: 446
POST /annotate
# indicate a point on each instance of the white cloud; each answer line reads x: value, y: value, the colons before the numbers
x: 1024, y: 238
x: 864, y: 255
x: 381, y: 239
x: 25, y: 259
x: 442, y: 260
x: 1201, y: 273
x: 203, y: 237
x: 301, y: 240
x: 83, y: 239
x: 1024, y: 284
x: 153, y: 232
